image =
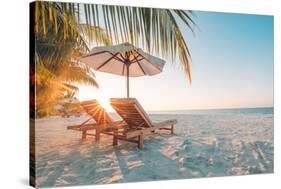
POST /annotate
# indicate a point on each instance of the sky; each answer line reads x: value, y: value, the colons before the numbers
x: 232, y: 67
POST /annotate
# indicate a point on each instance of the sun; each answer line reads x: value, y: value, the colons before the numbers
x: 105, y: 103
x: 89, y: 93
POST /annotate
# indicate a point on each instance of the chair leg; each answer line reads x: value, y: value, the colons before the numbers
x: 115, y: 138
x: 97, y: 134
x: 84, y: 134
x: 141, y: 141
x: 172, y: 129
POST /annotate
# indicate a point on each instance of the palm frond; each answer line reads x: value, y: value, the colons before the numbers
x: 155, y: 30
x: 65, y: 31
x: 74, y: 73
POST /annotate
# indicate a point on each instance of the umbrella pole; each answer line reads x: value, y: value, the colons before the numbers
x: 128, y: 87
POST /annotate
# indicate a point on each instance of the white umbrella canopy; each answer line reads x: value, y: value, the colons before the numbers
x: 124, y: 60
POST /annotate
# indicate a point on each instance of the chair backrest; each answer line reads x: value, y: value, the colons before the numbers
x: 131, y: 111
x: 96, y: 111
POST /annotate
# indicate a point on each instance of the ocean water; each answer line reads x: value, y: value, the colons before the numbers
x: 234, y: 111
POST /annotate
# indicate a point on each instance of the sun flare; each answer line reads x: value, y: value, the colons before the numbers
x: 105, y: 103
x: 89, y: 93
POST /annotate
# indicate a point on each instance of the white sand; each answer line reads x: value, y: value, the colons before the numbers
x: 204, y: 146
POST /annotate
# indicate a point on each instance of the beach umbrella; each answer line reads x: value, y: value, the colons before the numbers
x: 124, y: 60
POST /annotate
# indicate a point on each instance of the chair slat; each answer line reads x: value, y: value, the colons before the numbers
x: 94, y: 109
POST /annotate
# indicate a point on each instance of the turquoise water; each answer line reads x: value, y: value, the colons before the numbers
x: 235, y: 111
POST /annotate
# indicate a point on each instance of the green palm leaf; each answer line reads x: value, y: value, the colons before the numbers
x: 155, y: 30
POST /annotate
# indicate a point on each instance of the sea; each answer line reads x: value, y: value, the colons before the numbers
x: 232, y: 111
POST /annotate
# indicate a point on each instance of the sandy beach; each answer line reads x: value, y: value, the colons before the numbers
x: 205, y: 145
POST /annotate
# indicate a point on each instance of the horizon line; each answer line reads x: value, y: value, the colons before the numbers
x: 206, y: 109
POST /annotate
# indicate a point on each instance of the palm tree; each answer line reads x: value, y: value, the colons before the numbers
x: 64, y: 31
x: 156, y: 30
x: 56, y: 70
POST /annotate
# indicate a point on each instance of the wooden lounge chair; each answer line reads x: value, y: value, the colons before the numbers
x: 103, y: 122
x: 138, y: 122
